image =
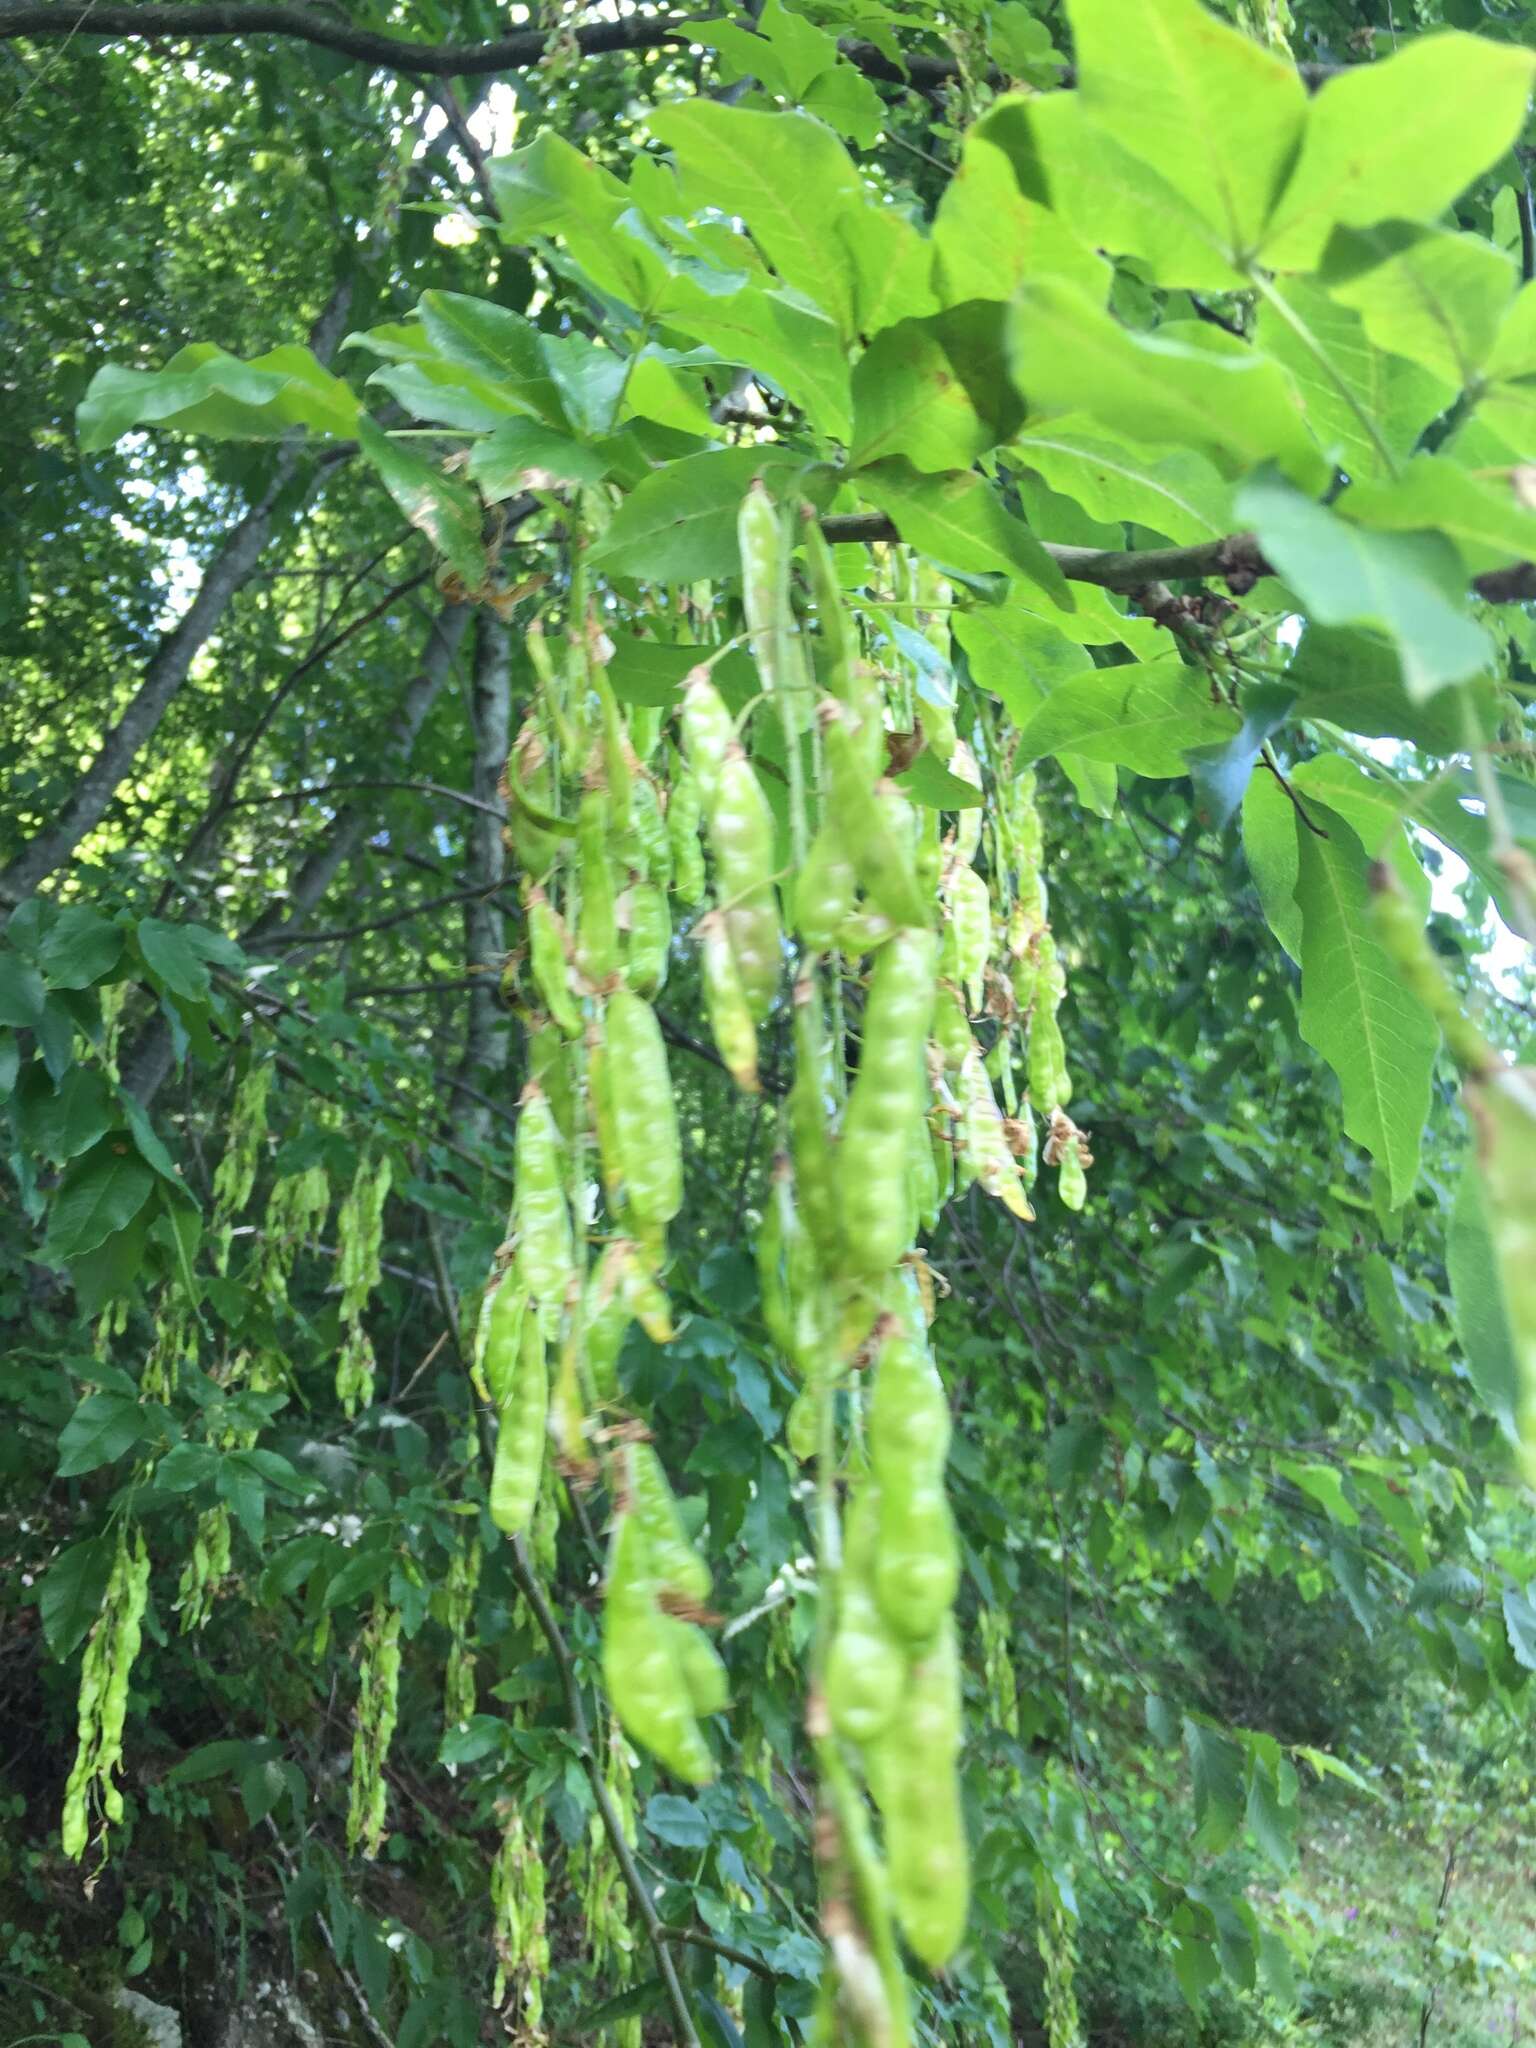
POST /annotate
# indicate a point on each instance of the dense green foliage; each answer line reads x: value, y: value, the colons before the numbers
x: 1088, y: 447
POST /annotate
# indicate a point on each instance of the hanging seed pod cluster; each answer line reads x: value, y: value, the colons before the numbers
x: 903, y: 951
x: 110, y: 1650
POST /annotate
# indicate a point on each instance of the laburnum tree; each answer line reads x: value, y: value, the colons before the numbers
x: 758, y: 771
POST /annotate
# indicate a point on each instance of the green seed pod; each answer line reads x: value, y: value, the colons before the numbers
x: 644, y: 1297
x: 549, y: 1066
x: 704, y: 1674
x: 951, y: 1028
x: 547, y: 956
x: 649, y: 833
x: 644, y: 1114
x: 969, y: 931
x: 866, y: 1667
x: 546, y: 1259
x: 524, y: 1418
x: 597, y: 924
x: 825, y: 890
x: 1049, y: 1086
x: 810, y: 1138
x: 685, y: 814
x: 1071, y: 1181
x: 708, y: 731
x: 846, y: 680
x: 502, y: 1323
x: 641, y: 1670
x: 730, y: 1017
x: 917, y: 1573
x: 984, y: 1149
x: 1503, y: 1101
x: 650, y: 937
x: 920, y: 1800
x: 606, y: 1317
x: 884, y: 1104
x: 801, y: 1425
x: 742, y: 837
x: 675, y: 1565
x: 871, y: 822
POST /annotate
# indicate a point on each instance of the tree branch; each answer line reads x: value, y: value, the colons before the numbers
x: 1236, y: 560
x: 172, y: 662
x: 517, y: 52
x: 297, y: 796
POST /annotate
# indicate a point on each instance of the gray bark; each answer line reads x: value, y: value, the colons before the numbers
x: 486, y: 1037
x: 172, y: 661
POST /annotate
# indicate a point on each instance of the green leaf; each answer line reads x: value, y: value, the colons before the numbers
x: 1227, y: 401
x: 80, y: 947
x: 1273, y: 1824
x: 523, y: 455
x: 502, y: 346
x: 788, y: 342
x: 935, y: 390
x: 1378, y: 1038
x: 1339, y: 374
x: 184, y: 1466
x: 439, y: 506
x: 958, y: 521
x: 1175, y: 492
x: 652, y: 672
x: 61, y: 1124
x: 1329, y: 1766
x: 1354, y: 679
x: 178, y: 955
x: 98, y: 1194
x: 1109, y: 198
x: 1142, y: 716
x: 679, y: 526
x: 1399, y: 140
x: 1221, y: 774
x: 1216, y: 1767
x: 72, y: 1590
x: 444, y: 395
x: 1489, y: 525
x: 988, y: 236
x: 204, y: 391
x: 112, y: 1269
x: 261, y: 1787
x: 678, y: 1822
x: 928, y: 782
x: 786, y: 175
x: 1424, y: 293
x: 1477, y: 1300
x: 1220, y: 117
x: 472, y: 1740
x: 784, y: 51
x: 101, y: 1429
x: 213, y: 1760
x: 291, y: 1566
x: 22, y: 994
x: 1520, y: 1627
x: 1408, y: 584
x: 1325, y: 1485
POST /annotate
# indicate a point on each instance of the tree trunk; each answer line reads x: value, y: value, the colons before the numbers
x: 486, y: 1038
x: 169, y: 668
